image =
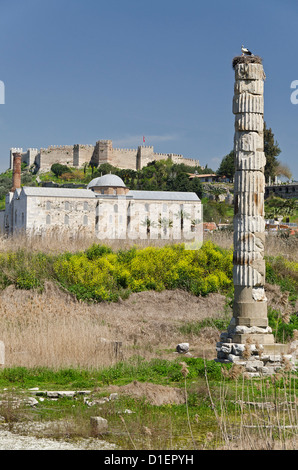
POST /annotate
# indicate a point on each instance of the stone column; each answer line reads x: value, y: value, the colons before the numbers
x: 250, y: 303
x: 249, y: 324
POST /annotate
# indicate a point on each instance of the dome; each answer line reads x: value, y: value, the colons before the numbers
x: 108, y: 180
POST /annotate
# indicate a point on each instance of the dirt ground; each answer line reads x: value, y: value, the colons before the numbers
x: 155, y: 394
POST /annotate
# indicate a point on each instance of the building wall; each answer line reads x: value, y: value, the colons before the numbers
x: 107, y: 217
x: 142, y: 219
x: 39, y: 213
x: 286, y: 191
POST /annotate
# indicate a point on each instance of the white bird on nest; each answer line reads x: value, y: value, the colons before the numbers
x: 245, y: 51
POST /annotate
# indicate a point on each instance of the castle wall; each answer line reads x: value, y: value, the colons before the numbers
x: 103, y: 152
x: 125, y: 158
x: 63, y: 155
x: 82, y: 154
x: 186, y: 161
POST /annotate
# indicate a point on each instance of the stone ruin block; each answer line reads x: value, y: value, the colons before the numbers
x: 249, y: 122
x: 249, y: 181
x: 249, y: 242
x: 249, y: 204
x: 245, y: 141
x: 248, y: 103
x: 253, y: 161
x: 249, y: 72
x: 244, y: 224
x: 256, y: 87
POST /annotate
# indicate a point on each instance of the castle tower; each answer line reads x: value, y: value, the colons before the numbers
x: 249, y: 325
x: 103, y: 152
x: 31, y: 155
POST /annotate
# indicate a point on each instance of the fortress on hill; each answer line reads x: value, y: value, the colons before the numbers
x: 102, y: 152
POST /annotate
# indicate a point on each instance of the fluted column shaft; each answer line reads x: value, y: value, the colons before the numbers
x: 250, y: 304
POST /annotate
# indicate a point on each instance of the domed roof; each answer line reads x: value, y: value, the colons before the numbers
x: 108, y: 180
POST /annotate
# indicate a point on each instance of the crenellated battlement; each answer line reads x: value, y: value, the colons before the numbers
x: 87, y: 146
x: 124, y: 150
x: 55, y: 147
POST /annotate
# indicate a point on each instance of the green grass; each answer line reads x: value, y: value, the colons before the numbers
x: 155, y: 371
x: 213, y: 415
x: 195, y: 328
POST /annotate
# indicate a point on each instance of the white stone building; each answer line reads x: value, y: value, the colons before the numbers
x: 106, y: 209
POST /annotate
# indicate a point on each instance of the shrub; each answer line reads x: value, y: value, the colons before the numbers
x: 100, y: 274
x: 96, y: 251
x: 59, y: 169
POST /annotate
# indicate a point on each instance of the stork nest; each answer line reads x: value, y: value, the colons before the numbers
x: 246, y: 59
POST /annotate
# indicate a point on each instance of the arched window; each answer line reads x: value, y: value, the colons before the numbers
x: 86, y: 206
x: 48, y: 205
x: 66, y: 220
x: 85, y: 220
x: 48, y: 219
x: 67, y: 205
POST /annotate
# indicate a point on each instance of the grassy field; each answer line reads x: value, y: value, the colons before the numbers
x: 56, y: 340
x: 178, y: 404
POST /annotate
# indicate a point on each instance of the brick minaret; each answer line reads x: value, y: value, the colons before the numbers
x: 16, y: 175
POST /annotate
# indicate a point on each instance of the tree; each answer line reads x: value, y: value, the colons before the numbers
x: 217, y: 191
x: 227, y: 166
x: 272, y: 150
x: 59, y: 169
x: 283, y: 170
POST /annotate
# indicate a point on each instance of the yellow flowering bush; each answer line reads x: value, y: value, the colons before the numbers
x: 99, y: 274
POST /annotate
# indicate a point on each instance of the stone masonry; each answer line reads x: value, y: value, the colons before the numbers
x: 249, y: 340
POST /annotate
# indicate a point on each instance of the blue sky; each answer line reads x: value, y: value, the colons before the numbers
x: 77, y: 71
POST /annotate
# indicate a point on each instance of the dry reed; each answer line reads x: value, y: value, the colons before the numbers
x: 52, y: 329
x: 286, y: 247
